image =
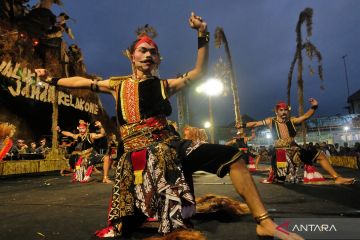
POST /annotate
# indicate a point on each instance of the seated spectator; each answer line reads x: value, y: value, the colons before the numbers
x: 43, y: 149
x: 32, y: 148
x: 357, y: 147
x: 332, y: 150
x: 18, y: 149
x: 324, y: 148
x: 337, y: 147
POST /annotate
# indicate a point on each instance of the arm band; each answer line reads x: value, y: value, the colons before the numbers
x: 94, y: 86
x: 54, y: 81
x: 203, y: 39
x: 314, y: 107
x: 243, y: 125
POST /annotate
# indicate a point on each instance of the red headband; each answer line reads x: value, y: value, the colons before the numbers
x: 147, y: 40
x: 83, y: 124
x: 281, y: 104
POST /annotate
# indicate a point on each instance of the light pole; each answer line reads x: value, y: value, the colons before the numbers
x: 346, y: 129
x: 212, y: 87
x: 346, y: 76
x: 268, y: 137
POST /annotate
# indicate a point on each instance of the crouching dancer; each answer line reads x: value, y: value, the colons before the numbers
x: 153, y: 172
x: 288, y: 155
x: 85, y: 155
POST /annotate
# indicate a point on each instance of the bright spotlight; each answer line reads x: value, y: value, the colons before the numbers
x: 213, y: 87
x: 207, y: 124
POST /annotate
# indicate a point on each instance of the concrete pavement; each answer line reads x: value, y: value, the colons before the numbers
x: 49, y: 206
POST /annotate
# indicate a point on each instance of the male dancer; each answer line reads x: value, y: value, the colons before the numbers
x: 241, y: 142
x: 288, y: 152
x: 87, y: 156
x: 149, y: 179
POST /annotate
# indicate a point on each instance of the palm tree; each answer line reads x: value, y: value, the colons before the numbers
x: 221, y: 38
x: 311, y: 51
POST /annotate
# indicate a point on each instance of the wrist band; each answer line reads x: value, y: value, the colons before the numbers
x: 203, y: 34
x: 314, y: 107
x: 203, y: 39
x: 94, y: 86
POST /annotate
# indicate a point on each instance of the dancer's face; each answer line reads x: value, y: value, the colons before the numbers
x: 282, y: 113
x: 145, y: 58
x: 82, y: 130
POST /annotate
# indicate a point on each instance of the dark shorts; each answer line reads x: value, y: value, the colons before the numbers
x: 95, y: 158
x: 309, y: 156
x: 212, y: 158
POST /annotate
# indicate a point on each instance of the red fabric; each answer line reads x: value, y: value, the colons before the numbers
x: 271, y: 177
x: 312, y: 175
x: 146, y: 39
x: 281, y: 104
x: 101, y: 233
x: 280, y: 155
x: 251, y: 165
x: 89, y: 171
x: 155, y: 121
x: 78, y: 163
x: 6, y: 149
x: 138, y: 160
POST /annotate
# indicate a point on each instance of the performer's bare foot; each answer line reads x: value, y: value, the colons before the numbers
x: 107, y: 180
x: 341, y: 180
x: 96, y: 171
x: 268, y: 228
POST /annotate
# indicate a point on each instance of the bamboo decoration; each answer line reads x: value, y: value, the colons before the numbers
x: 221, y: 38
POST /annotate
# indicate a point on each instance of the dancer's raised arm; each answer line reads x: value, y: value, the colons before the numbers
x: 314, y: 105
x: 200, y: 69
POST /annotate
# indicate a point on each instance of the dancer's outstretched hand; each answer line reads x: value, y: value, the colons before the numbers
x: 196, y: 22
x: 42, y: 73
x: 313, y: 102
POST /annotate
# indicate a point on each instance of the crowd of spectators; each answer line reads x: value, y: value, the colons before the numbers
x: 336, y: 149
x: 23, y: 151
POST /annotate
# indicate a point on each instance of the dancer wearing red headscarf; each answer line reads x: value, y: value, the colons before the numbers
x: 289, y: 154
x: 152, y: 177
x: 85, y: 155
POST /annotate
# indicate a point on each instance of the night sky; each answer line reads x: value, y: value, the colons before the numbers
x: 261, y: 35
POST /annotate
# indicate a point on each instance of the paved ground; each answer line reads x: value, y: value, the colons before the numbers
x: 50, y: 207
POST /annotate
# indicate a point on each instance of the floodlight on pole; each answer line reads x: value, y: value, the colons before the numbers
x: 268, y: 135
x: 207, y: 124
x: 212, y: 87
